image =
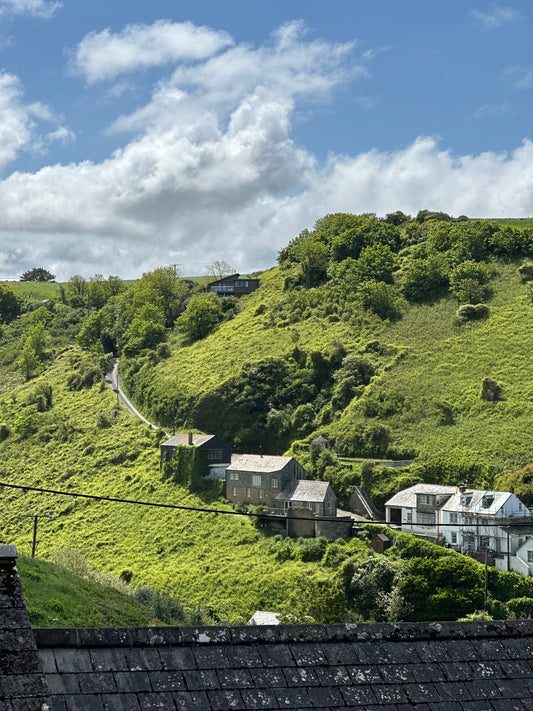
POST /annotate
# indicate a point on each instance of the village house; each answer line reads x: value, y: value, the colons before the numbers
x: 258, y: 479
x: 233, y: 285
x: 492, y: 525
x: 218, y: 451
x: 317, y: 496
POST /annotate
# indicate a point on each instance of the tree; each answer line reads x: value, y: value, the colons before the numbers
x: 219, y: 269
x: 313, y: 258
x: 200, y: 317
x: 37, y: 274
x: 9, y: 304
x: 77, y: 291
x: 163, y: 288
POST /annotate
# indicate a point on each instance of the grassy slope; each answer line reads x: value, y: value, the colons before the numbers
x: 56, y: 598
x: 216, y: 561
x: 445, y: 361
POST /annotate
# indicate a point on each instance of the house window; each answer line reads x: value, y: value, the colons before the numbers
x: 241, y: 284
x: 409, y: 517
x: 426, y: 499
x: 260, y: 493
x: 214, y: 454
x: 519, y: 506
x: 454, y: 518
x: 530, y: 556
x: 483, y: 543
x: 484, y: 521
x: 234, y: 491
x: 274, y: 483
x: 454, y: 538
x: 256, y: 480
x: 426, y: 519
x: 248, y: 493
x: 234, y: 476
x: 222, y: 288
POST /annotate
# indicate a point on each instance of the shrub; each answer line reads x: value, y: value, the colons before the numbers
x: 521, y: 607
x: 471, y: 312
x: 4, y: 432
x: 491, y: 391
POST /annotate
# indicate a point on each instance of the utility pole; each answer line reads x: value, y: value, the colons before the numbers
x: 36, y: 518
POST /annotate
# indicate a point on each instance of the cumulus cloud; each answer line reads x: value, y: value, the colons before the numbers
x: 496, y: 16
x: 34, y: 8
x: 105, y: 55
x: 209, y: 170
x: 19, y: 122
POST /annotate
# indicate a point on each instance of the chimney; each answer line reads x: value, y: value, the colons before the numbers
x: 511, y: 489
x: 190, y: 439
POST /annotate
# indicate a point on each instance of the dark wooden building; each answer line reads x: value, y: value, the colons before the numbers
x: 218, y: 451
x: 233, y: 285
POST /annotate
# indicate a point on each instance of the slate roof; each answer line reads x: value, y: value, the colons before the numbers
x: 474, y: 498
x: 304, y: 490
x: 452, y: 666
x: 390, y: 667
x: 407, y: 497
x: 258, y: 463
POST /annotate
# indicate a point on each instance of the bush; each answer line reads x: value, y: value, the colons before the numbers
x: 521, y: 607
x: 471, y: 312
x: 4, y: 432
x: 491, y: 391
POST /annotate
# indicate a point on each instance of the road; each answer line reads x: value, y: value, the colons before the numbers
x: 113, y: 380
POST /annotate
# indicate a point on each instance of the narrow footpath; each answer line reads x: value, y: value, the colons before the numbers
x: 113, y: 380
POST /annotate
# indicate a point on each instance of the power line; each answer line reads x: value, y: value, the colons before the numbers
x: 200, y: 509
x: 156, y: 504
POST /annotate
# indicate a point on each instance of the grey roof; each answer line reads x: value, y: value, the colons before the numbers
x: 180, y: 439
x: 450, y: 666
x: 474, y: 506
x: 407, y: 497
x: 304, y: 490
x: 386, y: 667
x: 258, y: 463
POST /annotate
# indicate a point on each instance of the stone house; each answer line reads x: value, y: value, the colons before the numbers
x: 258, y: 479
x: 317, y: 496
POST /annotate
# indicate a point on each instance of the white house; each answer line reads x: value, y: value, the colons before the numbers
x: 469, y: 520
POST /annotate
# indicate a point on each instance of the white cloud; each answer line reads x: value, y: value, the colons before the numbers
x: 209, y: 170
x: 496, y: 16
x: 34, y: 8
x: 105, y: 55
x: 522, y: 77
x: 491, y: 110
x: 15, y: 119
x: 21, y: 124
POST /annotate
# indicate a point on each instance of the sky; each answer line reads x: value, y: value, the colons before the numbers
x: 135, y: 135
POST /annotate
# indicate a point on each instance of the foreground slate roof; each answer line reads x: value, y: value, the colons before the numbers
x: 486, y: 666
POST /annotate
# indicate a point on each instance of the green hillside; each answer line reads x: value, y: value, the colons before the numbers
x: 376, y: 333
x: 57, y: 598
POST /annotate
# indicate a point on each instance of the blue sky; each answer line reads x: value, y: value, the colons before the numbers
x: 139, y: 134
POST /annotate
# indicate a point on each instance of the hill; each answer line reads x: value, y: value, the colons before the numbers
x: 375, y: 333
